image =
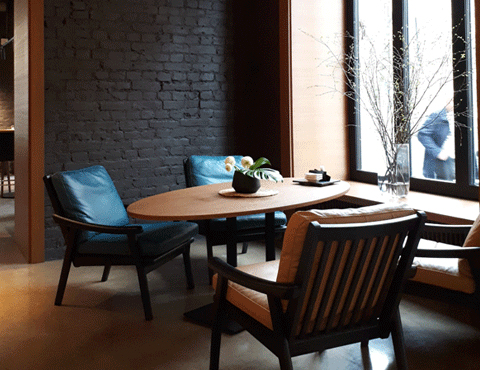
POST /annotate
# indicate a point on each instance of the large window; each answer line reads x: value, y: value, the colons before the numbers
x: 437, y: 37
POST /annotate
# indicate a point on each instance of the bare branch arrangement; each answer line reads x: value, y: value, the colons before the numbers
x: 398, y: 83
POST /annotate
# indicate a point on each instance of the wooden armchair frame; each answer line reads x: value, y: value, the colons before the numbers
x: 292, y: 333
x: 454, y: 235
x: 144, y: 264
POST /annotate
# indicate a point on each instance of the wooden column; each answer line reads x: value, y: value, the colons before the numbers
x: 29, y: 125
x: 319, y: 120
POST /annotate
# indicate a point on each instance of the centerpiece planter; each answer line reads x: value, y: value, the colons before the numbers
x: 245, y: 184
x: 246, y: 179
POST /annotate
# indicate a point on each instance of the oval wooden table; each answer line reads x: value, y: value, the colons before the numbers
x: 206, y: 202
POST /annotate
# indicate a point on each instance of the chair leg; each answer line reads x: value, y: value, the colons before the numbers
x: 142, y: 280
x: 219, y: 317
x: 398, y: 342
x: 279, y: 326
x: 216, y: 341
x: 8, y: 178
x: 209, y: 256
x: 188, y: 267
x: 244, y: 248
x: 106, y: 272
x: 62, y: 284
x: 284, y: 356
x: 3, y: 176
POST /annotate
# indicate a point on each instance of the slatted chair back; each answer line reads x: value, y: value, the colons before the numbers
x: 351, y: 276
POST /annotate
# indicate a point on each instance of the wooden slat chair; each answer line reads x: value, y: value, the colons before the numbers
x: 447, y: 263
x: 97, y: 230
x: 205, y: 170
x: 339, y: 281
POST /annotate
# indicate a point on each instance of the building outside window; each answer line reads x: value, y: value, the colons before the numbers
x: 444, y: 154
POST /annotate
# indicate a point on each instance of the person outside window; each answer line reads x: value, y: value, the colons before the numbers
x: 437, y: 136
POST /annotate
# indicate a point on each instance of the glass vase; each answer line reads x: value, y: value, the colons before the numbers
x: 394, y: 178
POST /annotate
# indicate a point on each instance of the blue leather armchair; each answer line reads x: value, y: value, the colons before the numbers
x: 204, y: 170
x: 98, y: 232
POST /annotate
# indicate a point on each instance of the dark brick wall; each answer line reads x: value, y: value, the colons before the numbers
x: 137, y: 86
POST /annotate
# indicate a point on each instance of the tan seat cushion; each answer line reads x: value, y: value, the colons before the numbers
x: 443, y: 272
x: 298, y: 224
x: 251, y: 302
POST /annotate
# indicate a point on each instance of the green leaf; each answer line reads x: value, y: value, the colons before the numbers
x: 265, y: 174
x: 259, y: 162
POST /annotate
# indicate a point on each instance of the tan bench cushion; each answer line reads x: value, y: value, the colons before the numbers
x: 443, y: 272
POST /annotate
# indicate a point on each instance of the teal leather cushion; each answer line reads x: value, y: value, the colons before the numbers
x: 205, y: 170
x: 156, y: 239
x: 89, y: 195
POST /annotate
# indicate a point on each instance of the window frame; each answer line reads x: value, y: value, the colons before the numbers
x: 464, y: 165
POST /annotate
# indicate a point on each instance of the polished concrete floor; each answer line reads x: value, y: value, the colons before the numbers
x: 101, y: 325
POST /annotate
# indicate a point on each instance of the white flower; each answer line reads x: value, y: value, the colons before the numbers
x: 228, y: 167
x: 247, y: 162
x: 230, y: 160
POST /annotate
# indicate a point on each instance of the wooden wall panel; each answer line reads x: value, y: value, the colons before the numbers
x: 29, y: 137
x: 319, y: 121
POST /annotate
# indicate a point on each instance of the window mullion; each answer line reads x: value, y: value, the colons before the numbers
x: 461, y: 100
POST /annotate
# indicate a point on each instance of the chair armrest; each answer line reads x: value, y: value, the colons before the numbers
x: 279, y: 290
x: 67, y: 222
x: 449, y: 234
x: 467, y: 252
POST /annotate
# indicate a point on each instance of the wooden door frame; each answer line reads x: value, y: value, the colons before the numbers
x: 285, y: 40
x: 29, y: 105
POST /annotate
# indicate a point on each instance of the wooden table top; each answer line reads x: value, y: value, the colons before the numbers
x: 205, y: 202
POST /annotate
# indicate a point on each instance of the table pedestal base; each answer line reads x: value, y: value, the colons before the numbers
x: 204, y: 316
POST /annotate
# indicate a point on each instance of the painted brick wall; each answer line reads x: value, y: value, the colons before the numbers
x: 136, y: 86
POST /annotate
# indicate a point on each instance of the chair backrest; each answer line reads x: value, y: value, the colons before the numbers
x: 351, y: 268
x: 86, y: 195
x: 205, y: 170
